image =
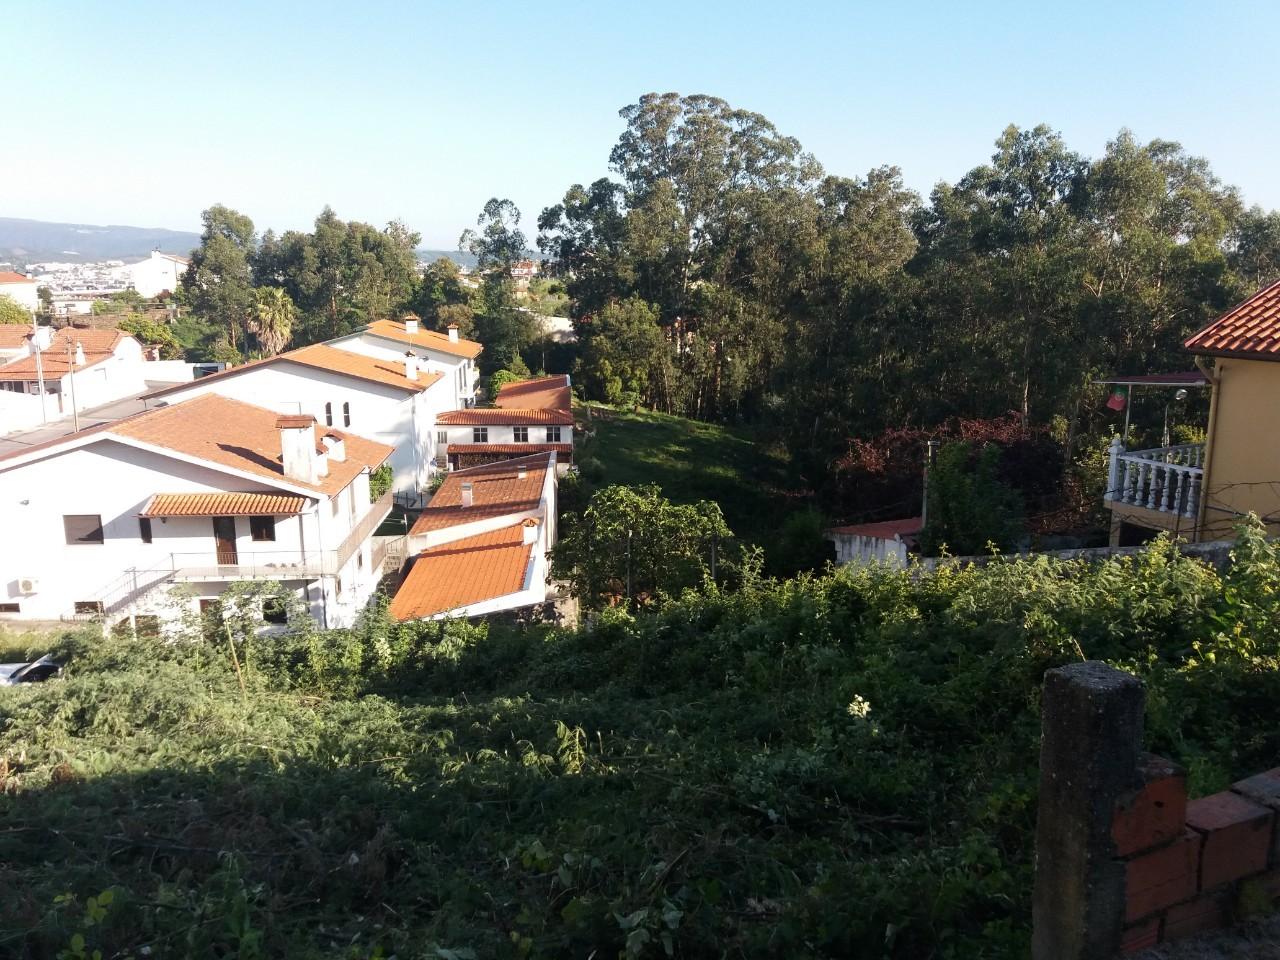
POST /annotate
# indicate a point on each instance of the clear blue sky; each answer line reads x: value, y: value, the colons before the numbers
x: 144, y: 113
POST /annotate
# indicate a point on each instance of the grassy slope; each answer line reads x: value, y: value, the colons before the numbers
x: 842, y: 767
x: 693, y: 461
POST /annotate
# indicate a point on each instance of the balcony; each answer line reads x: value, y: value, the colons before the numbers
x: 1165, y: 480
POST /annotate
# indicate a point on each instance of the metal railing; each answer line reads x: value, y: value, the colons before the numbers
x: 134, y: 584
x: 1165, y: 479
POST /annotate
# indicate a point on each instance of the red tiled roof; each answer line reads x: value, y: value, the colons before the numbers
x: 229, y: 433
x: 323, y: 357
x: 541, y: 393
x: 510, y: 447
x: 467, y: 571
x: 884, y: 530
x: 1249, y: 329
x: 223, y: 505
x: 427, y: 339
x: 496, y: 490
x: 8, y: 276
x: 98, y: 345
x: 489, y: 416
x: 13, y: 335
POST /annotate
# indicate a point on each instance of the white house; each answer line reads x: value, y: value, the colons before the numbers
x: 152, y: 517
x: 16, y: 340
x: 22, y: 289
x: 528, y: 416
x: 889, y: 541
x: 159, y: 273
x: 481, y: 544
x: 80, y: 368
x: 388, y: 400
x: 447, y: 354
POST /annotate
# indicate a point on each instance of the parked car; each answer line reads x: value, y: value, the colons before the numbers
x: 12, y: 674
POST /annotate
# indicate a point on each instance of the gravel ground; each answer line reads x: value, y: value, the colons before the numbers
x: 1251, y: 941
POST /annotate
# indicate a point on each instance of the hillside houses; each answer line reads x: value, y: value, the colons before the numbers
x: 154, y: 516
x: 267, y: 472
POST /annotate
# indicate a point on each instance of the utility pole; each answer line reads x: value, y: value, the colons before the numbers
x: 35, y: 349
x: 71, y: 375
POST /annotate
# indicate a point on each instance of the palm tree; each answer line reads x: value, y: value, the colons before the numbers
x: 273, y: 317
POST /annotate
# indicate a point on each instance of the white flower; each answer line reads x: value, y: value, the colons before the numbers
x: 859, y: 707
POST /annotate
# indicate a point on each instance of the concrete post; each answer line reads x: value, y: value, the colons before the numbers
x: 1089, y: 753
x: 1113, y: 470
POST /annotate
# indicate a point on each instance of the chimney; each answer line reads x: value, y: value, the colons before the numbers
x: 530, y: 530
x: 453, y: 333
x: 411, y: 323
x: 410, y: 365
x: 466, y: 495
x: 336, y: 447
x: 79, y: 354
x: 298, y: 448
x: 522, y: 473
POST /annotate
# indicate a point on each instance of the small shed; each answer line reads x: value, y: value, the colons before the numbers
x: 889, y: 541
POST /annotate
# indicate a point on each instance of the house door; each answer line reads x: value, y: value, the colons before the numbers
x: 224, y: 536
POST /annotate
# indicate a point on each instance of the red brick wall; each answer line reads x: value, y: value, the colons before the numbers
x: 1192, y: 866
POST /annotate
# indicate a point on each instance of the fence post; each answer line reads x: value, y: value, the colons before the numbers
x: 1089, y: 753
x: 1113, y: 469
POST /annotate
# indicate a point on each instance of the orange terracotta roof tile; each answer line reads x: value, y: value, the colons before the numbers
x: 98, y: 345
x: 323, y: 357
x: 496, y: 490
x: 488, y: 416
x: 13, y: 335
x: 1249, y: 329
x: 464, y: 572
x: 229, y: 433
x: 884, y: 530
x: 223, y: 505
x: 542, y: 393
x: 8, y: 276
x: 427, y: 339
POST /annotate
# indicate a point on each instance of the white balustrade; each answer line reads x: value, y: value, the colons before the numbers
x: 1166, y: 480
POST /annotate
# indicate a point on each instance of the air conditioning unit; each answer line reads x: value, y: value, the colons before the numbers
x: 28, y: 584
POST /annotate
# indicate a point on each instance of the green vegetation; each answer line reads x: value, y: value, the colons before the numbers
x: 689, y: 461
x: 12, y: 312
x: 831, y: 767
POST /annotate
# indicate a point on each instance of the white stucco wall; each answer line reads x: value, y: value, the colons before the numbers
x: 115, y: 480
x: 24, y: 294
x: 505, y: 434
x: 865, y: 550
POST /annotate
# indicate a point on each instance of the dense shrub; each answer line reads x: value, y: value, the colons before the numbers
x: 836, y: 766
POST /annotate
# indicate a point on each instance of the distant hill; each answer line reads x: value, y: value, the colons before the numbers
x: 462, y: 259
x: 31, y: 241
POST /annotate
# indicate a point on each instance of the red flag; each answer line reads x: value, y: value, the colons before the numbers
x: 1116, y: 401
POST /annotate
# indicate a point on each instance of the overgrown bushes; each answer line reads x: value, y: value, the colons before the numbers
x: 841, y: 766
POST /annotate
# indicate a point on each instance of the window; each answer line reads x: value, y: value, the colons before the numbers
x: 520, y: 434
x: 360, y: 559
x: 144, y: 529
x: 337, y: 587
x: 10, y: 608
x: 262, y: 528
x: 328, y: 414
x: 274, y: 610
x: 88, y: 607
x: 442, y: 436
x: 346, y: 414
x: 480, y: 435
x: 82, y: 527
x: 553, y: 434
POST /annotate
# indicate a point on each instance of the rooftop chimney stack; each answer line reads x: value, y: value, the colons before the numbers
x: 453, y: 333
x: 467, y: 498
x: 410, y: 323
x: 410, y: 365
x: 79, y: 354
x: 336, y: 447
x: 530, y: 531
x: 298, y: 448
x: 522, y: 474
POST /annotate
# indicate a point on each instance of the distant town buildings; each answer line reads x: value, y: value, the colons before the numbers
x: 73, y: 287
